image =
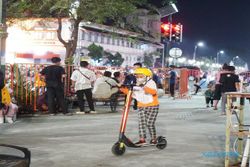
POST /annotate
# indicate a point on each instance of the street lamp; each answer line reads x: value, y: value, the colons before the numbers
x: 200, y: 44
x: 232, y: 61
x: 218, y: 53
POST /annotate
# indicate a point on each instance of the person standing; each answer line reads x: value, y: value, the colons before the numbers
x: 230, y: 83
x: 172, y: 81
x: 217, y: 91
x: 82, y: 80
x: 1, y: 103
x: 130, y: 79
x: 54, y: 75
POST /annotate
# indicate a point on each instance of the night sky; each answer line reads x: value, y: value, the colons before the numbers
x: 221, y: 24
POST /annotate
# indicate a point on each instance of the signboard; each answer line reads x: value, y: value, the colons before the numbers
x: 175, y: 52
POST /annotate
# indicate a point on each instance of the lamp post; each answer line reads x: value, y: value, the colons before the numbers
x: 199, y: 44
x: 218, y: 54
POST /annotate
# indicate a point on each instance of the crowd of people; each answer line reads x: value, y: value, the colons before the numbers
x: 88, y: 85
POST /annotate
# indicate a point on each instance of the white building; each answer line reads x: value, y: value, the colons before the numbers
x: 35, y: 41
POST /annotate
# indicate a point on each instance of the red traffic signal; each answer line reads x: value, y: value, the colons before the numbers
x: 166, y: 30
x: 172, y: 31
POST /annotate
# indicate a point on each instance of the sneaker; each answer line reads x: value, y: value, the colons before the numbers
x: 153, y: 141
x: 207, y: 106
x: 141, y: 142
x: 92, y: 112
x: 215, y: 108
x: 9, y: 120
x: 80, y: 112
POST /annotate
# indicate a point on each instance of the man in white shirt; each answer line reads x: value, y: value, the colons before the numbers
x: 105, y: 86
x: 82, y: 80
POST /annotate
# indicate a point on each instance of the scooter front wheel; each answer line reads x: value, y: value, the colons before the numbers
x: 161, y: 143
x: 118, y: 148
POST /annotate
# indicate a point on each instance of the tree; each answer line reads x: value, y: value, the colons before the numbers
x: 97, y: 11
x: 150, y: 58
x: 95, y: 52
x: 116, y: 59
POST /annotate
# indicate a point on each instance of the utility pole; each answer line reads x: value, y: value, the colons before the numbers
x: 3, y: 32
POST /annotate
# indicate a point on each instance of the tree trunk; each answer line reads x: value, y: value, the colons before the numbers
x: 71, y: 45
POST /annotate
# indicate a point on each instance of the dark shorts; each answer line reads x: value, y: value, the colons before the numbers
x: 217, y: 92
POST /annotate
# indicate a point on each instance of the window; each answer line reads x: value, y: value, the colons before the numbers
x: 89, y: 36
x: 113, y: 41
x: 108, y: 39
x: 83, y: 35
x: 102, y: 38
x: 132, y: 45
x: 118, y: 42
x: 96, y: 37
x: 123, y: 43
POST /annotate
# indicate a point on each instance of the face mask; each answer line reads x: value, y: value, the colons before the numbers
x: 140, y: 81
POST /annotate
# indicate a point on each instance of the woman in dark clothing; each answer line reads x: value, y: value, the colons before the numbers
x: 1, y: 104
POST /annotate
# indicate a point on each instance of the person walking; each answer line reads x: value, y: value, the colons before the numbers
x: 230, y: 83
x: 82, y: 80
x: 54, y: 75
x: 172, y: 81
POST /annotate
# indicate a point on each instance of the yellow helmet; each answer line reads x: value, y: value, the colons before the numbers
x: 144, y: 71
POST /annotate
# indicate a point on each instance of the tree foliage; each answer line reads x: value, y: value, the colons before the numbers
x: 116, y: 59
x: 95, y: 52
x: 97, y: 11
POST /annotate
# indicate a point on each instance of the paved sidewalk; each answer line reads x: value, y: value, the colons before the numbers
x: 193, y: 132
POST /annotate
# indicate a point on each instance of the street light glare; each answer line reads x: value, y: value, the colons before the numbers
x: 201, y: 44
x: 222, y: 52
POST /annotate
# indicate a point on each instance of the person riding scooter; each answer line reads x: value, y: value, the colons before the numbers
x: 145, y: 92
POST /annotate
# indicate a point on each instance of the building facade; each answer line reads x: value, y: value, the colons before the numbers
x: 35, y: 41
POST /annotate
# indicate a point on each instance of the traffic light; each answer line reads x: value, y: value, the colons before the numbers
x: 166, y: 31
x: 177, y: 32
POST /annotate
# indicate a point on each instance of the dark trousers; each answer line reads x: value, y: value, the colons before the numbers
x: 171, y: 89
x: 197, y: 88
x: 209, y: 100
x: 56, y: 95
x: 135, y: 104
x: 88, y: 95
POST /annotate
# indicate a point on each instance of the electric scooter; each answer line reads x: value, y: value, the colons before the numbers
x: 119, y: 147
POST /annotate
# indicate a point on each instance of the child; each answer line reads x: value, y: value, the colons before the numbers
x: 148, y: 105
x: 209, y: 94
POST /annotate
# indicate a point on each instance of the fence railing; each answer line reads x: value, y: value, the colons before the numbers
x: 26, y: 85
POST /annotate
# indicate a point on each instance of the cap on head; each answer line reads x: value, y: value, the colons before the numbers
x: 145, y: 71
x: 55, y: 59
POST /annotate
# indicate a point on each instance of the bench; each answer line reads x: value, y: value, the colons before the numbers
x: 113, y: 101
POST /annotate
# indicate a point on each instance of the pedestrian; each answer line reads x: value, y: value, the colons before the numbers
x: 54, y: 75
x: 1, y: 97
x: 117, y: 76
x: 82, y: 81
x: 172, y: 81
x: 230, y: 83
x: 217, y: 91
x: 209, y: 94
x: 130, y: 79
x: 105, y: 86
x: 148, y: 105
x: 199, y: 84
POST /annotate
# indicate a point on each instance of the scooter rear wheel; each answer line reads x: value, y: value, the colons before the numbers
x: 118, y: 149
x: 161, y: 143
